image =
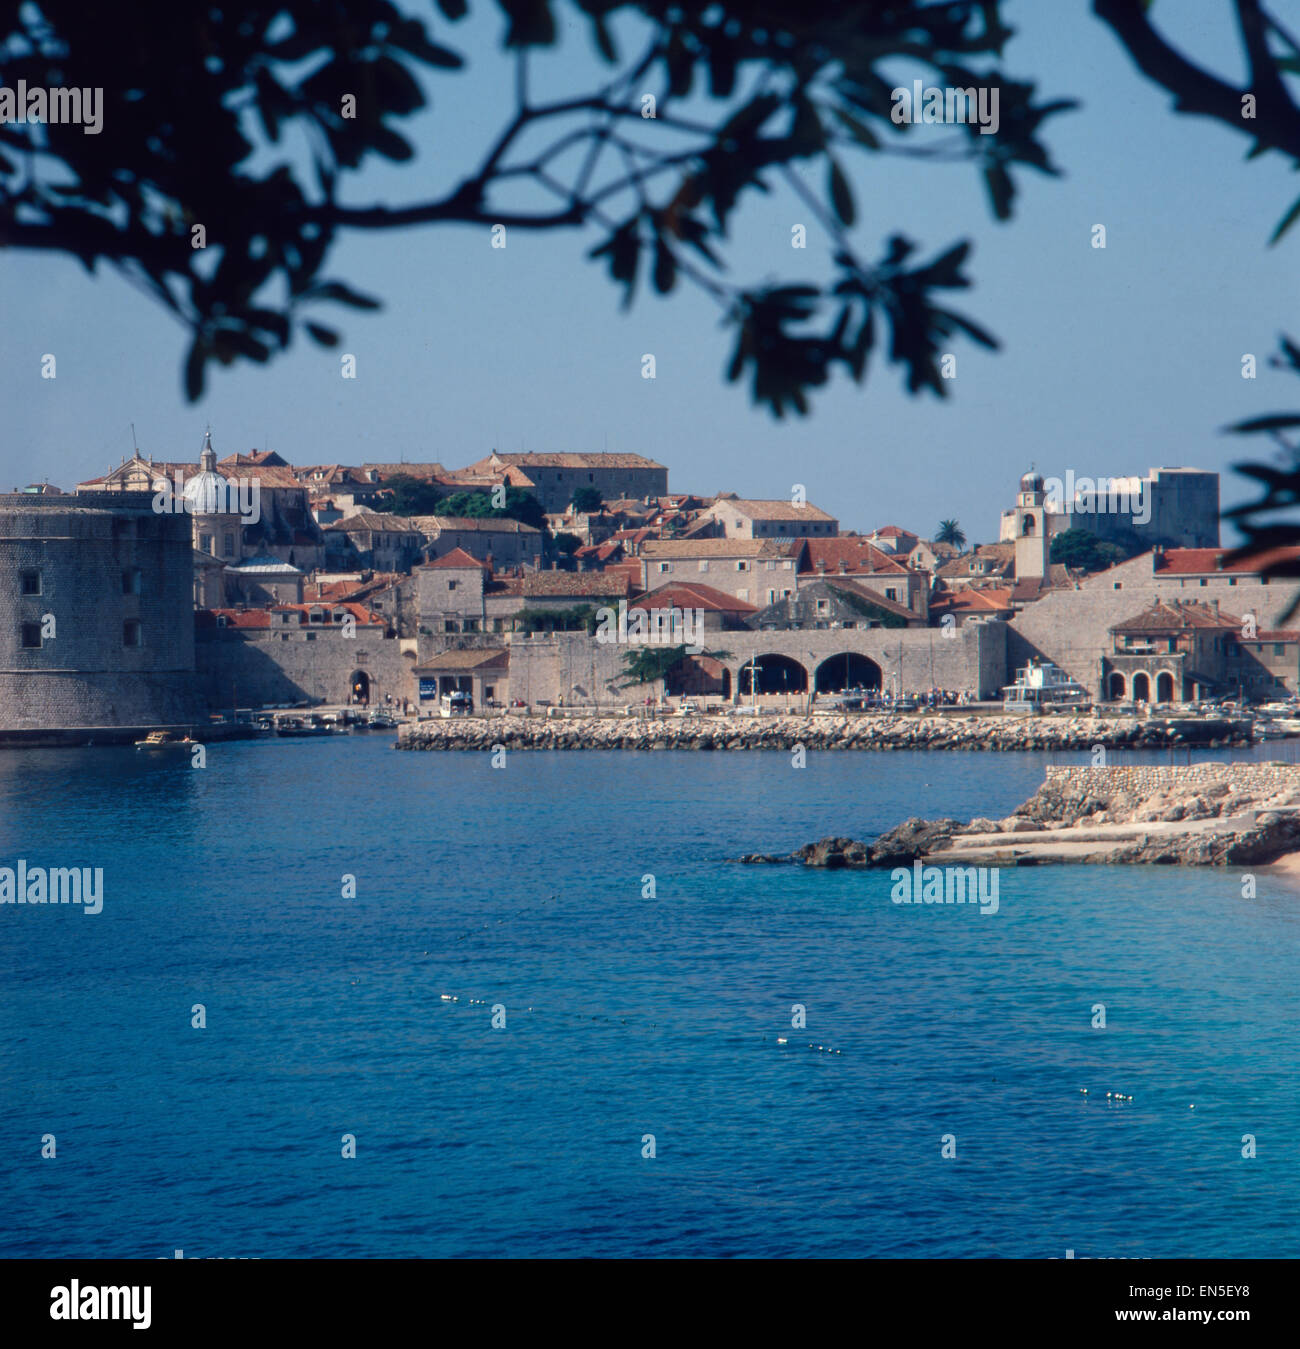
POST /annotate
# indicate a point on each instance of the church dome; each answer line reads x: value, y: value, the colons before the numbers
x: 205, y: 492
x: 1032, y: 482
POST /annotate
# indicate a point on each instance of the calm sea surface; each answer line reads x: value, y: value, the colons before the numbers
x: 625, y: 1016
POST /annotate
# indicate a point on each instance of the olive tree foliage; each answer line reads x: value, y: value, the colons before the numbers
x: 245, y: 126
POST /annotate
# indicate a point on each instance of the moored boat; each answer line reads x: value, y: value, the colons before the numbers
x: 165, y: 740
x: 302, y: 728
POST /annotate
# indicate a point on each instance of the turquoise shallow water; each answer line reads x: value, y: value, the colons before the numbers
x: 625, y: 1016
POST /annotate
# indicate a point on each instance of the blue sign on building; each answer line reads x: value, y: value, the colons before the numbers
x: 428, y: 689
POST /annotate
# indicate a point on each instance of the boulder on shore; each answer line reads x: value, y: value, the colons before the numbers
x: 833, y: 852
x: 912, y: 839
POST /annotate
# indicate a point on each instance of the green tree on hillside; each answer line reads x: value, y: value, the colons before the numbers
x: 519, y: 505
x: 1082, y: 550
x: 410, y: 496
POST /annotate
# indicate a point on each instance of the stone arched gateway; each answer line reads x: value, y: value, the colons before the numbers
x: 847, y: 670
x: 358, y: 687
x: 772, y: 673
x: 1142, y: 687
x: 1165, y: 687
x: 1118, y: 687
x: 698, y: 676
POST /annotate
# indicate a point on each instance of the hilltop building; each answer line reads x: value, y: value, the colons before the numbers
x: 553, y: 478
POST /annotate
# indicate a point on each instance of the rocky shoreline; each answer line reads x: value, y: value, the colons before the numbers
x: 951, y: 731
x: 1211, y: 814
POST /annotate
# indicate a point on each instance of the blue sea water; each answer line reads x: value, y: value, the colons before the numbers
x: 626, y: 1016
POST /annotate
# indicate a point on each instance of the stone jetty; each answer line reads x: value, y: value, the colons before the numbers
x: 948, y: 730
x: 1207, y: 814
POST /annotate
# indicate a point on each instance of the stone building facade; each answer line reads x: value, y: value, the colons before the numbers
x: 96, y: 613
x: 1071, y: 626
x: 582, y: 670
x: 276, y: 663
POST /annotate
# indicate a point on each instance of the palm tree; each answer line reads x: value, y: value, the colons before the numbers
x: 950, y: 532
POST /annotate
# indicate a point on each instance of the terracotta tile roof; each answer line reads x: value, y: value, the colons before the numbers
x: 247, y: 466
x: 971, y: 600
x: 565, y: 460
x: 458, y: 558
x: 424, y: 472
x: 854, y: 552
x: 1176, y: 617
x: 235, y: 618
x: 1208, y: 561
x: 687, y: 595
x: 775, y: 510
x: 664, y: 550
x: 844, y: 585
x: 374, y: 521
x: 542, y: 584
x: 261, y: 618
x: 255, y: 458
x: 435, y: 524
x: 893, y: 532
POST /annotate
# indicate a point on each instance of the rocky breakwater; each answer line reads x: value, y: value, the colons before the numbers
x: 953, y: 731
x: 1210, y: 814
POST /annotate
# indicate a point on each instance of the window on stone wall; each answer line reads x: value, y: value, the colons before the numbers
x: 131, y: 581
x: 311, y: 636
x: 131, y: 632
x: 31, y: 636
x: 229, y: 545
x: 31, y: 582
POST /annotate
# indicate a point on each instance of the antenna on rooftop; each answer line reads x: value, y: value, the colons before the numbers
x: 134, y: 446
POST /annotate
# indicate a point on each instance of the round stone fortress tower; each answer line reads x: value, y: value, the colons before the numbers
x: 96, y: 613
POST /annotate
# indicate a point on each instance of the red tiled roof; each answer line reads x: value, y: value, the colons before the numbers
x: 261, y: 618
x: 1207, y: 561
x: 1175, y: 617
x: 990, y: 600
x: 458, y: 557
x: 855, y: 553
x: 688, y: 595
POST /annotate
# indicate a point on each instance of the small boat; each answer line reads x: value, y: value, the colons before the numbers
x: 379, y: 721
x: 301, y: 728
x: 1041, y: 686
x: 165, y: 740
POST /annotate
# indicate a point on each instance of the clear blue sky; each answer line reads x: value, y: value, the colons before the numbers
x: 1112, y: 361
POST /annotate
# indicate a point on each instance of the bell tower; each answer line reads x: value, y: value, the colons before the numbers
x: 1031, y: 528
